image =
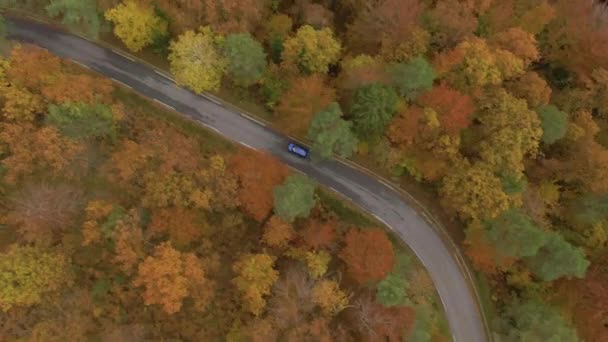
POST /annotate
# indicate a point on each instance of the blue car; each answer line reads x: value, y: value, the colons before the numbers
x: 298, y: 150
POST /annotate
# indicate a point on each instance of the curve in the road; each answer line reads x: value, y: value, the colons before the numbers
x: 461, y: 307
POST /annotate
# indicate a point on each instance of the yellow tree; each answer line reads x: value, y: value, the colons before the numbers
x: 136, y: 24
x: 509, y: 131
x: 28, y: 273
x: 196, y: 61
x: 256, y: 275
x: 20, y: 104
x: 328, y: 296
x: 474, y: 192
x: 311, y: 51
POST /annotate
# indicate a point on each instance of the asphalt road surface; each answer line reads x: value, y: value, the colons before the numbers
x: 459, y: 302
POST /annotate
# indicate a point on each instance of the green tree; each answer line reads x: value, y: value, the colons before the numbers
x: 391, y: 291
x: 76, y: 13
x: 136, y: 24
x: 590, y: 209
x: 294, y: 198
x: 28, y: 273
x: 373, y: 108
x: 311, y: 51
x: 558, y: 258
x: 514, y: 234
x: 554, y: 123
x: 534, y: 321
x: 82, y: 120
x: 413, y: 77
x: 196, y: 61
x: 245, y: 57
x: 330, y: 133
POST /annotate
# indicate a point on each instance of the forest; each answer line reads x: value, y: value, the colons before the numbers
x: 122, y: 222
x: 498, y: 108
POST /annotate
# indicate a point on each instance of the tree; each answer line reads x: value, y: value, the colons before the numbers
x: 377, y: 322
x: 128, y: 241
x: 453, y: 107
x: 29, y: 273
x: 20, y: 104
x: 291, y: 301
x: 196, y: 61
x: 256, y: 184
x: 69, y: 88
x: 278, y: 27
x: 328, y: 296
x: 32, y: 67
x: 331, y: 134
x: 294, y: 198
x: 83, y: 121
x: 245, y: 57
x: 29, y: 150
x: 532, y: 88
x: 173, y: 189
x: 391, y: 291
x: 534, y: 321
x: 317, y: 263
x: 317, y: 234
x: 482, y: 253
x: 382, y: 23
x: 413, y: 77
x: 514, y: 235
x: 554, y: 123
x: 475, y: 64
x: 127, y: 161
x: 558, y: 258
x: 278, y: 233
x: 406, y: 126
x: 234, y: 16
x: 537, y: 18
x: 474, y: 192
x: 255, y: 277
x: 589, y: 297
x: 373, y: 107
x: 168, y: 277
x: 368, y: 255
x: 359, y: 71
x: 182, y: 14
x: 311, y: 51
x: 76, y: 13
x: 40, y: 211
x: 519, y: 42
x: 136, y: 24
x: 183, y: 226
x: 305, y: 97
x: 454, y: 21
x: 578, y: 41
x: 510, y: 131
x: 586, y: 160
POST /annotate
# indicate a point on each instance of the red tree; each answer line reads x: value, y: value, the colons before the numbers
x: 453, y: 107
x: 381, y: 20
x: 319, y: 234
x: 258, y: 174
x: 368, y: 254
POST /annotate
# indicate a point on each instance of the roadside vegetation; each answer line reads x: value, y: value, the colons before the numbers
x: 123, y: 222
x: 498, y: 108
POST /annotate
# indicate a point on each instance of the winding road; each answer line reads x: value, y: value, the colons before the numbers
x: 458, y: 298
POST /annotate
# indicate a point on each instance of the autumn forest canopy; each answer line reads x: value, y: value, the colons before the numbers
x: 499, y: 109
